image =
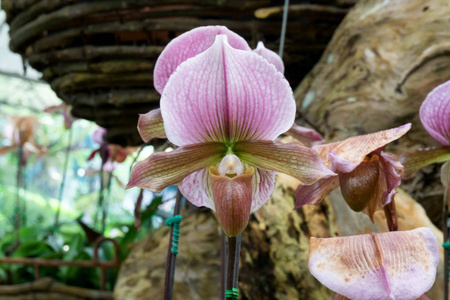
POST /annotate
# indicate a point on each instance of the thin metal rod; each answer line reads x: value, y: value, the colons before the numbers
x: 171, y: 258
x: 18, y: 196
x: 283, y: 27
x: 61, y: 188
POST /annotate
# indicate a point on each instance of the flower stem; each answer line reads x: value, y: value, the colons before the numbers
x: 234, y: 251
x: 391, y: 216
x: 223, y: 265
x: 61, y: 188
x: 171, y: 257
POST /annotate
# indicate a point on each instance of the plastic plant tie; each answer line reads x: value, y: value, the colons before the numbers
x: 446, y: 245
x: 175, y: 221
x: 233, y: 293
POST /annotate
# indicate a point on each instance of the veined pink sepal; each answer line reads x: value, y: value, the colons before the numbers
x: 187, y: 45
x: 167, y: 168
x: 242, y: 98
x: 435, y: 113
x: 232, y: 199
x: 350, y: 152
x: 271, y: 56
x: 397, y: 265
x: 306, y: 136
x: 151, y: 126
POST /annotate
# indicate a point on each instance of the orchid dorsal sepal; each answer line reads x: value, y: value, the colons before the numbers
x: 435, y: 113
x: 232, y: 199
x: 416, y: 159
x: 271, y: 56
x: 397, y: 265
x: 187, y: 45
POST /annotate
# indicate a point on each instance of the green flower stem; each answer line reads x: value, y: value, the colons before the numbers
x: 61, y: 188
x: 172, y: 255
x: 234, y: 251
x: 223, y: 265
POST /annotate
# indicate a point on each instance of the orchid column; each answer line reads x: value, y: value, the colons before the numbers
x: 223, y: 106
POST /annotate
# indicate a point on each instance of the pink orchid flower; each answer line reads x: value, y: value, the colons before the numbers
x: 223, y: 106
x: 109, y: 153
x: 151, y: 126
x: 368, y: 177
x: 21, y: 131
x: 393, y: 265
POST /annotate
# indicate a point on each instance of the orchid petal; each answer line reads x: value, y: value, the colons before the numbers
x: 263, y: 186
x: 167, y: 168
x: 151, y: 126
x: 435, y: 113
x: 417, y: 159
x: 350, y: 152
x: 394, y: 265
x: 188, y: 45
x: 196, y: 187
x: 392, y: 170
x: 340, y: 297
x: 7, y: 149
x: 292, y: 159
x: 304, y: 135
x: 232, y: 199
x: 99, y: 136
x: 270, y: 56
x: 315, y: 193
x: 226, y: 94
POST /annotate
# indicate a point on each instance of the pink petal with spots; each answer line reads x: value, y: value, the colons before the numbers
x: 394, y: 265
x: 315, y: 193
x: 349, y: 153
x: 271, y: 56
x: 263, y: 186
x: 435, y: 113
x: 167, y: 168
x: 188, y: 45
x: 226, y: 94
x: 197, y: 188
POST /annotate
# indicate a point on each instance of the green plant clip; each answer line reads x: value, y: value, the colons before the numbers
x: 175, y: 221
x: 233, y: 293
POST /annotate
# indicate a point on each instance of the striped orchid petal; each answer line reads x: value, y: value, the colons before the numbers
x: 271, y: 56
x: 224, y: 95
x: 315, y: 193
x: 417, y: 159
x: 166, y: 168
x: 435, y: 113
x: 150, y: 125
x: 394, y: 265
x: 292, y: 159
x: 188, y: 45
